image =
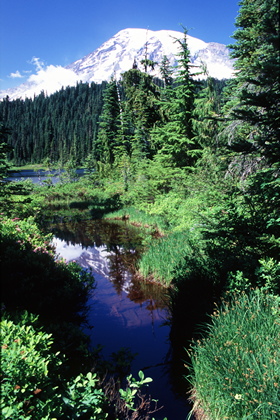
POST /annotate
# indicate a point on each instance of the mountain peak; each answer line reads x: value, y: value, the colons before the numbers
x: 117, y: 55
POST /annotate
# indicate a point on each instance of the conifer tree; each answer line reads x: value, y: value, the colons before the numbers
x: 140, y: 109
x: 166, y: 71
x: 174, y: 140
x: 4, y: 149
x: 255, y: 93
x: 207, y: 115
x: 109, y: 126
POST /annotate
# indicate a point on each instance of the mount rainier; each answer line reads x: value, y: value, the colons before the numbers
x: 117, y: 55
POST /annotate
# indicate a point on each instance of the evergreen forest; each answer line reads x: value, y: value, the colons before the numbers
x: 194, y: 162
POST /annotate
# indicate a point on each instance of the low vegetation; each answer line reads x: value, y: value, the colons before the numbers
x: 236, y: 369
x: 33, y: 386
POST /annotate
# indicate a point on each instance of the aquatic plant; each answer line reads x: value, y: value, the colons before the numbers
x: 164, y: 255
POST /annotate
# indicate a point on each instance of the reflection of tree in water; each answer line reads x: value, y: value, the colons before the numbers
x: 97, y: 233
x: 122, y: 272
x: 123, y: 243
x: 153, y: 294
x: 117, y: 268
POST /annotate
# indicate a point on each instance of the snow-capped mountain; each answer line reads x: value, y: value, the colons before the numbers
x: 117, y: 55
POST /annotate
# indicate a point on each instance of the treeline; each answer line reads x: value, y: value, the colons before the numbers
x: 93, y: 120
x: 58, y: 127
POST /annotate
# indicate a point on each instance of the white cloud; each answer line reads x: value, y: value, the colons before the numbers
x: 37, y: 63
x: 51, y: 79
x: 46, y: 78
x: 16, y: 75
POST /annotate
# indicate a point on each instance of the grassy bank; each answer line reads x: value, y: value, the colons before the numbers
x: 236, y: 369
x: 33, y: 167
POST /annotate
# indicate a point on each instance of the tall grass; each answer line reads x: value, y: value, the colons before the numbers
x: 140, y: 217
x: 164, y: 255
x: 236, y: 369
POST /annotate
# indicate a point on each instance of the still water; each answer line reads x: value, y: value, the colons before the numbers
x: 40, y: 176
x: 124, y: 311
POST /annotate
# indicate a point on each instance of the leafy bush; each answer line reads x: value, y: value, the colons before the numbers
x: 27, y: 390
x: 32, y: 386
x: 236, y: 369
x: 266, y: 277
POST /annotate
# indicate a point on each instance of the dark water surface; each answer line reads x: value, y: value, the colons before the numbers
x: 124, y: 312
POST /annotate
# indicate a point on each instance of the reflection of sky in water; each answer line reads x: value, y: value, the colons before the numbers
x: 119, y: 322
x: 67, y: 251
x: 94, y: 257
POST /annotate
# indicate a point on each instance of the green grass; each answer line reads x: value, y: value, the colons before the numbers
x: 236, y: 369
x: 30, y: 166
x: 140, y: 218
x: 164, y: 256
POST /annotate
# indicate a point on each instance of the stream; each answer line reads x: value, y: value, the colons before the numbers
x: 124, y: 311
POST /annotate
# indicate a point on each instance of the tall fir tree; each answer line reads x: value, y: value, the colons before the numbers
x: 207, y: 114
x: 109, y: 126
x: 4, y: 149
x: 174, y: 140
x: 140, y: 109
x: 255, y: 92
x: 166, y: 71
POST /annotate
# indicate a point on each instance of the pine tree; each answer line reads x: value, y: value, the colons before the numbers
x: 4, y: 149
x: 207, y: 115
x: 174, y: 140
x: 255, y: 93
x: 140, y: 110
x: 166, y: 72
x: 109, y: 126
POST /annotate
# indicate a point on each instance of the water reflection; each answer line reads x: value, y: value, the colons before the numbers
x: 118, y: 266
x: 125, y: 311
x: 40, y: 176
x: 112, y: 250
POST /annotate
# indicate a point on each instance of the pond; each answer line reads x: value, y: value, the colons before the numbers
x: 40, y: 176
x: 125, y: 312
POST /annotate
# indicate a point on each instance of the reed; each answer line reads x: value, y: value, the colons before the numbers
x: 163, y: 257
x: 141, y: 218
x: 236, y: 369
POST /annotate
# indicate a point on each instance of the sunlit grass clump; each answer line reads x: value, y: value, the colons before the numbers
x: 141, y: 218
x: 236, y: 369
x: 164, y: 256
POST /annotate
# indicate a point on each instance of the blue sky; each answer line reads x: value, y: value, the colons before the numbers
x: 36, y: 33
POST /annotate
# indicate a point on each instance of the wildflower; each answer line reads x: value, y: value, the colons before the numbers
x: 238, y: 396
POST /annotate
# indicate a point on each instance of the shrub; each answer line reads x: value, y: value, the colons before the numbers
x: 33, y: 279
x: 33, y: 388
x: 266, y: 277
x: 31, y: 384
x: 27, y: 391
